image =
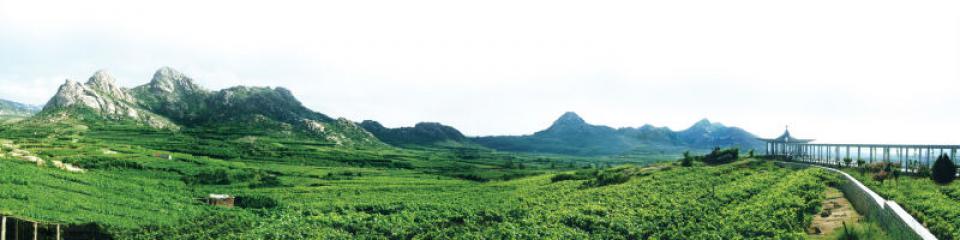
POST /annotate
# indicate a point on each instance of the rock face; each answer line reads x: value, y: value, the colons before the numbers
x: 173, y: 94
x: 103, y: 97
x: 171, y: 100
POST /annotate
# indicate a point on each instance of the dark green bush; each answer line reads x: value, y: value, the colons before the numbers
x: 578, y: 175
x: 472, y: 177
x: 605, y: 179
x: 722, y: 156
x: 613, y: 176
x: 223, y: 176
x: 256, y: 201
x: 944, y: 171
x: 102, y: 162
x: 687, y: 159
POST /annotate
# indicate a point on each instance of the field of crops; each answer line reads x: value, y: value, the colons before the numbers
x: 289, y: 189
x: 936, y: 206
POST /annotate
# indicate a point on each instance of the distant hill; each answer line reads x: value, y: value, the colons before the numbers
x: 171, y: 100
x: 570, y: 134
x: 424, y: 134
x: 12, y: 111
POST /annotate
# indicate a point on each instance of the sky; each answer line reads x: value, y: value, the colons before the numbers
x: 839, y: 71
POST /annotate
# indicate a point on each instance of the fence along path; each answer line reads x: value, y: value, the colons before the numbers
x: 12, y: 229
x: 891, y: 217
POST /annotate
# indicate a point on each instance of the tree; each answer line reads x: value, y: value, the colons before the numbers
x: 847, y: 161
x: 944, y: 171
x: 687, y: 159
x: 861, y: 164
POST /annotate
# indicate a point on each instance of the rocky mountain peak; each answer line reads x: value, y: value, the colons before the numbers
x: 170, y: 80
x: 106, y: 84
x: 569, y: 118
x: 171, y: 99
x: 102, y: 95
x: 102, y: 78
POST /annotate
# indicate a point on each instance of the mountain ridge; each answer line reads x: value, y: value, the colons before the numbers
x: 172, y: 100
x: 11, y: 111
x: 570, y: 134
x: 423, y: 133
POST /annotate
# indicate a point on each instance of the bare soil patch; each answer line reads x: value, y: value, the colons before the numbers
x: 836, y: 210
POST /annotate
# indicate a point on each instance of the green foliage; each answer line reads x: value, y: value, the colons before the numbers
x: 860, y: 231
x: 224, y: 176
x: 256, y: 202
x: 578, y: 175
x: 932, y: 204
x: 617, y: 175
x: 296, y: 187
x: 944, y: 171
x: 722, y: 156
x: 687, y: 159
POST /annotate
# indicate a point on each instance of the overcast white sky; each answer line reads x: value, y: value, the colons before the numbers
x: 840, y: 71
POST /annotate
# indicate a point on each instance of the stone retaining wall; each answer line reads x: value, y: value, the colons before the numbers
x: 888, y: 214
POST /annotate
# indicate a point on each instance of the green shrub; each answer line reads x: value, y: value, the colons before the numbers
x: 223, y: 176
x: 687, y: 159
x: 861, y: 231
x: 256, y: 201
x: 922, y: 169
x: 615, y: 175
x: 944, y: 171
x: 102, y: 162
x: 718, y: 156
x: 472, y: 177
x: 611, y: 178
x: 578, y: 175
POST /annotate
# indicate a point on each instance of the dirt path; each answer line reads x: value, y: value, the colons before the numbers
x: 835, y: 210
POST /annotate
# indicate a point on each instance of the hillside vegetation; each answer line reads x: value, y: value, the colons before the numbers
x: 299, y: 188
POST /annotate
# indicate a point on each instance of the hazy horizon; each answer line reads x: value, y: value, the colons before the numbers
x: 838, y: 72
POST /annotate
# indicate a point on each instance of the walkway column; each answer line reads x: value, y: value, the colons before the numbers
x: 3, y: 229
x: 886, y: 154
x: 836, y: 151
x: 953, y: 154
x: 58, y: 231
x: 921, y: 158
x: 848, y: 151
x: 819, y: 153
x: 858, y: 154
x: 34, y: 230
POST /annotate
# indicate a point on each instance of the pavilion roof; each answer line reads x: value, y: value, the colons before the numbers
x: 786, y: 138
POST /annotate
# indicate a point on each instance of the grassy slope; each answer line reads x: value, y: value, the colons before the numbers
x: 380, y: 192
